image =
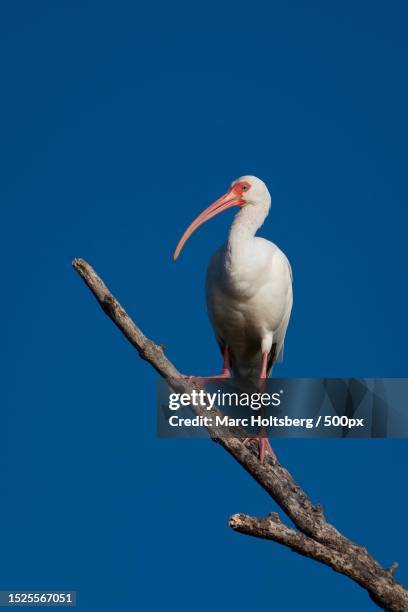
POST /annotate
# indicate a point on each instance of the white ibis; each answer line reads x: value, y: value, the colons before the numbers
x: 249, y: 286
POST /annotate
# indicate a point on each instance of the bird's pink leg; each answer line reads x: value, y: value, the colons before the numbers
x: 226, y: 366
x: 264, y: 366
x: 225, y: 373
x: 263, y: 447
x: 263, y: 443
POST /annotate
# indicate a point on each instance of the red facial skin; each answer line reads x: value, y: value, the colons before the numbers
x: 240, y: 188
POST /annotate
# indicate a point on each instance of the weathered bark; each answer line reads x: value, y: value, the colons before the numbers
x: 315, y: 538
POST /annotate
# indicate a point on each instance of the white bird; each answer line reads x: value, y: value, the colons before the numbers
x: 249, y: 286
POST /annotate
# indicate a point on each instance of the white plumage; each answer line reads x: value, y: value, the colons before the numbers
x: 249, y: 284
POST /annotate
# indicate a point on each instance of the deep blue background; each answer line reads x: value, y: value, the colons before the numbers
x: 119, y: 124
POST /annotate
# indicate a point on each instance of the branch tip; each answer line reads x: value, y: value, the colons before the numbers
x: 77, y: 262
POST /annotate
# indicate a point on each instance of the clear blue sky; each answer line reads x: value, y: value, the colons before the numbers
x: 121, y: 121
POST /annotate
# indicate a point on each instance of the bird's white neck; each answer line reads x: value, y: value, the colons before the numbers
x: 244, y: 227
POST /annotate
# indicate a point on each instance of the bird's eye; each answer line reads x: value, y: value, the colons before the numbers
x: 244, y: 187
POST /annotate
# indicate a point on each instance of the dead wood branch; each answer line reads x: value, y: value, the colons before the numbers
x: 314, y: 537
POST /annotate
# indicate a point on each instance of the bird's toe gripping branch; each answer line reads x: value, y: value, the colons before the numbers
x: 263, y: 446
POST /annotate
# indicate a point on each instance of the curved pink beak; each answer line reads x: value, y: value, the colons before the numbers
x: 228, y: 200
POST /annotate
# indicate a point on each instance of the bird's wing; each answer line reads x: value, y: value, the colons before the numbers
x: 290, y: 270
x: 276, y: 355
x: 279, y: 357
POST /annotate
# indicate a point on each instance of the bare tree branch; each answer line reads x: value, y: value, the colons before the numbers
x: 315, y: 537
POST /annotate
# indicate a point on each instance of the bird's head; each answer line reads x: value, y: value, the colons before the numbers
x: 244, y: 191
x: 252, y: 190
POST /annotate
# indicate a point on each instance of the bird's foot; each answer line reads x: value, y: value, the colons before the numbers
x: 263, y: 446
x: 201, y: 381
